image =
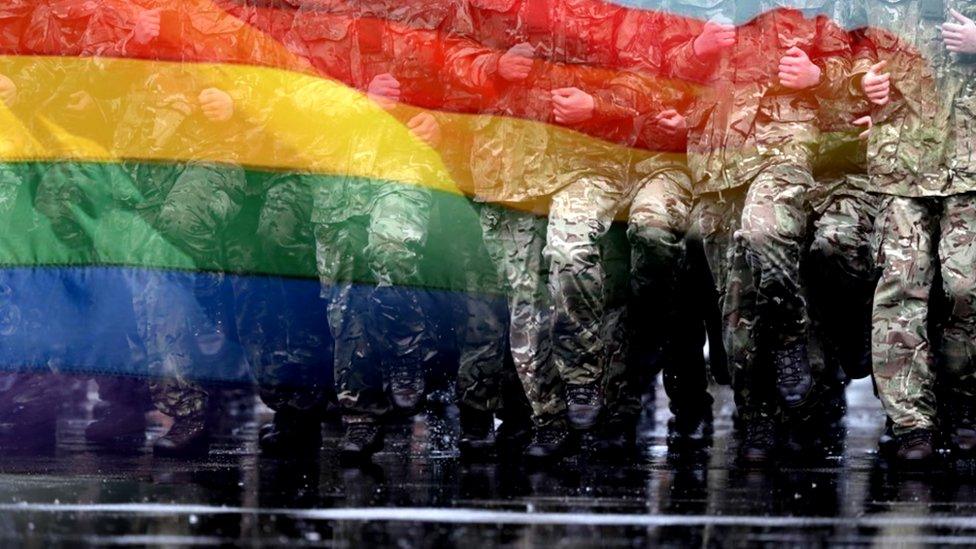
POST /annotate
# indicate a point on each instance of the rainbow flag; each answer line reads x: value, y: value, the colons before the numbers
x: 122, y: 108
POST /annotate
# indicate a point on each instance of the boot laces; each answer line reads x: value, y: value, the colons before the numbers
x: 548, y: 436
x: 759, y: 433
x: 361, y: 432
x: 915, y: 438
x: 789, y: 371
x: 583, y: 394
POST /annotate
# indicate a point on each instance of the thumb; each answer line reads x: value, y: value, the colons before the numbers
x: 795, y: 52
x: 879, y: 67
x: 959, y: 17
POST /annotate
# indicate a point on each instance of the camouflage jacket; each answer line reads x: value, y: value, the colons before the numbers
x: 923, y: 139
x: 742, y: 111
x: 573, y: 42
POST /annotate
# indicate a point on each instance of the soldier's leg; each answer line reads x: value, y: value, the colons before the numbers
x: 287, y: 348
x: 346, y: 284
x: 579, y: 218
x: 901, y: 351
x: 957, y: 252
x: 515, y: 241
x: 623, y: 381
x: 716, y: 218
x: 841, y: 278
x: 666, y: 332
x: 202, y: 202
x: 397, y: 235
x: 773, y: 233
x: 483, y: 343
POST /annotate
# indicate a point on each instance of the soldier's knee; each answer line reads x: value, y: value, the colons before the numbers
x: 394, y: 258
x: 576, y: 246
x: 653, y: 235
x: 960, y: 287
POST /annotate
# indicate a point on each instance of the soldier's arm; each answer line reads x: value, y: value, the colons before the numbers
x: 681, y: 60
x: 833, y: 55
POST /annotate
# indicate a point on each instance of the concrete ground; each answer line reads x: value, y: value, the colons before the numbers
x: 418, y: 493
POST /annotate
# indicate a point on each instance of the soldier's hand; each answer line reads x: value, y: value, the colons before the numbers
x: 384, y: 89
x: 8, y: 90
x: 217, y: 105
x: 716, y: 37
x: 868, y: 123
x: 147, y: 26
x: 671, y: 123
x: 572, y: 105
x: 877, y: 84
x: 79, y: 101
x: 516, y: 63
x: 425, y: 127
x: 960, y: 37
x: 796, y: 71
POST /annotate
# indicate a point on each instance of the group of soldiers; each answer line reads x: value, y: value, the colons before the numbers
x: 788, y: 179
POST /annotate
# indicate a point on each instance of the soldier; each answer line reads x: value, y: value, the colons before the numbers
x: 63, y: 189
x: 666, y: 331
x: 190, y: 204
x: 956, y: 246
x: 516, y: 167
x: 369, y: 235
x: 840, y: 274
x: 918, y: 153
x: 750, y: 151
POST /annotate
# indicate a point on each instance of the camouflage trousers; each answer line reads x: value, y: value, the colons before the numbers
x: 716, y: 219
x: 581, y: 215
x: 515, y: 240
x: 283, y: 335
x: 487, y: 376
x: 841, y: 277
x: 191, y: 206
x: 666, y: 331
x: 905, y: 243
x: 915, y: 236
x: 773, y: 235
x: 366, y: 265
x: 957, y: 252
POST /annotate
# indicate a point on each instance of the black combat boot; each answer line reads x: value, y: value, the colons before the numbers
x: 583, y: 406
x: 690, y: 428
x: 758, y: 439
x: 477, y: 439
x: 963, y: 433
x: 361, y: 440
x: 915, y: 448
x: 29, y: 427
x: 407, y: 385
x: 292, y: 433
x: 617, y: 439
x: 888, y: 442
x: 188, y: 437
x: 549, y: 442
x: 794, y: 375
x: 117, y: 425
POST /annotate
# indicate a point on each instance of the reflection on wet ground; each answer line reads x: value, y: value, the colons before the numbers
x: 418, y: 493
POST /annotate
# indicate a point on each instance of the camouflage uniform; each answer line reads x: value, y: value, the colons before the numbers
x: 192, y: 205
x: 840, y: 274
x: 751, y: 148
x: 370, y: 235
x: 64, y: 190
x: 919, y: 161
x: 519, y: 185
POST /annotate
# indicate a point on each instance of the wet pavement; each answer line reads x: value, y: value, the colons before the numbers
x: 418, y: 493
